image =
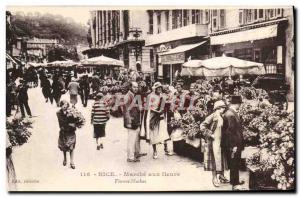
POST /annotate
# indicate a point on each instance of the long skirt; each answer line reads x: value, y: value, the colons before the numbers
x: 158, y: 133
x: 66, y: 141
x: 214, y: 158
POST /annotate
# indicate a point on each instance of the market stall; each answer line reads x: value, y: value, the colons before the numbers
x: 222, y: 66
x: 64, y: 63
x: 104, y: 65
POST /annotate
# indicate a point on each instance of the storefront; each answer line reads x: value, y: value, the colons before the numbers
x: 170, y: 60
x: 264, y: 43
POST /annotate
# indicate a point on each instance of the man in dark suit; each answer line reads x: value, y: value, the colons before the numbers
x: 232, y: 140
x: 23, y: 98
x: 84, y: 90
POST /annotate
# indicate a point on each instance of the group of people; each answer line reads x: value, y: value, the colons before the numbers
x: 147, y: 112
x: 148, y: 118
x: 17, y: 97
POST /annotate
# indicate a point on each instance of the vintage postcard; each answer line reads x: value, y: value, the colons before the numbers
x: 150, y: 98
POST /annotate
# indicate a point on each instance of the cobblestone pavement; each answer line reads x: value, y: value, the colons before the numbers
x: 39, y: 162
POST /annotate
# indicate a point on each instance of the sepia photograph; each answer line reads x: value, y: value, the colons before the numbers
x: 150, y: 99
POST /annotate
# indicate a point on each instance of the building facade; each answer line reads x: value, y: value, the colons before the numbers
x: 120, y: 34
x: 260, y: 35
x: 38, y: 48
x: 160, y: 41
x: 176, y: 36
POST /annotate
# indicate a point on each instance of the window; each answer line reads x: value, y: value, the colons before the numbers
x: 158, y: 23
x: 241, y: 17
x: 197, y: 16
x: 255, y: 15
x: 206, y: 16
x: 150, y: 22
x: 104, y: 27
x: 201, y: 21
x: 109, y: 25
x: 222, y: 18
x: 271, y: 14
x: 214, y: 19
x: 261, y: 14
x: 101, y: 28
x: 249, y: 16
x: 193, y: 16
x: 179, y: 18
x: 185, y: 17
x: 167, y: 20
x: 271, y: 68
x: 278, y: 12
x: 174, y: 19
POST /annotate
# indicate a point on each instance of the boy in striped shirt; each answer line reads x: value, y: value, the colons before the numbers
x: 99, y: 117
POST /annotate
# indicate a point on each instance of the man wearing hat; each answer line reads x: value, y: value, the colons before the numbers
x: 232, y: 140
x: 23, y: 98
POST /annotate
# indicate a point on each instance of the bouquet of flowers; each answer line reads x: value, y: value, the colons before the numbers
x: 76, y: 117
x: 175, y: 123
x: 18, y: 130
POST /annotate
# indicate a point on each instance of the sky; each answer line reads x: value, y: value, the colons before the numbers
x: 79, y: 14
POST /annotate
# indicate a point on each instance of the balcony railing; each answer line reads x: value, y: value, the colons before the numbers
x: 189, y: 31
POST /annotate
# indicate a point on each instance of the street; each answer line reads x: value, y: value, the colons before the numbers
x: 38, y: 163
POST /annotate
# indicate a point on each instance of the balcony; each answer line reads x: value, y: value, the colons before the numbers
x: 194, y: 30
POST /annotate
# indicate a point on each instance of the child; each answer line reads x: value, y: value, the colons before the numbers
x: 100, y: 115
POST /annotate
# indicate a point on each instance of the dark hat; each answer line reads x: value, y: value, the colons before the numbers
x: 236, y: 100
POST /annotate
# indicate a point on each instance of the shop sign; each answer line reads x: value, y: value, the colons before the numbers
x: 176, y: 58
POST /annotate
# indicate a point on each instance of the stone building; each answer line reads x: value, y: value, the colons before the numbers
x: 176, y: 36
x: 120, y: 34
x: 260, y: 35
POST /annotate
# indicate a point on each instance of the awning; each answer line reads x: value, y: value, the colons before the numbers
x: 102, y: 60
x: 222, y: 66
x: 183, y: 48
x: 244, y: 36
x: 177, y: 55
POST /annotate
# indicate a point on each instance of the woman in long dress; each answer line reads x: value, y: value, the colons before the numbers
x: 213, y: 157
x: 156, y: 121
x: 67, y: 136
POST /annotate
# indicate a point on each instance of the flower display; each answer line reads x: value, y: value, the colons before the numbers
x: 276, y: 148
x: 75, y: 116
x: 18, y: 130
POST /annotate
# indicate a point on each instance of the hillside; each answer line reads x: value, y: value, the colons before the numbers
x: 49, y: 26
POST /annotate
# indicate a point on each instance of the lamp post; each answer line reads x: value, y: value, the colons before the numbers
x: 136, y: 33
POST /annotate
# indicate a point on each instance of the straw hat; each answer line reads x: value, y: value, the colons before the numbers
x: 156, y: 85
x: 219, y: 104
